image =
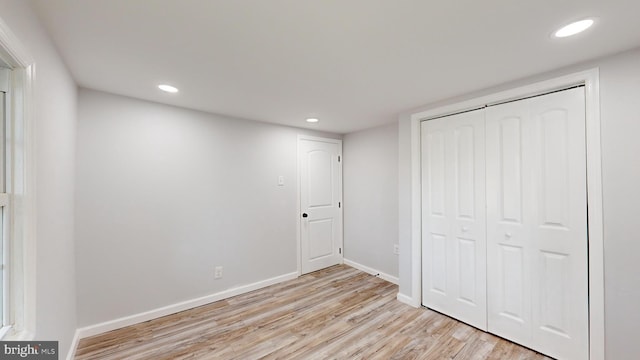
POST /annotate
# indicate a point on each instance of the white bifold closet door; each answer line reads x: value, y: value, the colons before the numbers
x: 537, y: 267
x: 504, y: 210
x: 453, y: 198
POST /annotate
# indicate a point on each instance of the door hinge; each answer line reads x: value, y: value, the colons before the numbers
x: 339, y: 204
x: 338, y: 158
x: 4, y: 80
x: 339, y: 250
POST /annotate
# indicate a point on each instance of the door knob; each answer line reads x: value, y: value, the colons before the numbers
x: 508, y: 234
x: 464, y: 229
x: 304, y: 215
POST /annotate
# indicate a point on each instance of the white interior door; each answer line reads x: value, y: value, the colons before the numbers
x: 454, y: 246
x: 320, y: 203
x: 537, y: 223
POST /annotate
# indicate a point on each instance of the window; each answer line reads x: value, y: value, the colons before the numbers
x: 5, y: 317
x: 14, y: 280
x: 17, y: 184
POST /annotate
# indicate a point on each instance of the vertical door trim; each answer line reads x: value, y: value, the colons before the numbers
x: 589, y: 78
x: 298, y: 197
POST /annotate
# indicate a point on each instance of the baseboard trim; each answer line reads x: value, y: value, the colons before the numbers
x: 106, y: 326
x: 74, y: 345
x: 408, y: 300
x: 372, y: 271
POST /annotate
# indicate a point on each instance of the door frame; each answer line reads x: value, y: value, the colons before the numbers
x: 298, y: 198
x: 590, y: 79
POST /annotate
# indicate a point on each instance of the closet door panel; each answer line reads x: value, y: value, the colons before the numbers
x: 454, y: 247
x: 436, y: 209
x: 537, y: 272
x: 560, y: 282
x: 469, y: 224
x: 508, y: 241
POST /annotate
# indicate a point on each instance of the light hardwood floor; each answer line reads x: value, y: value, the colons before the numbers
x: 336, y: 313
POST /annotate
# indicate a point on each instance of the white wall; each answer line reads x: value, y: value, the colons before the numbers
x: 165, y: 194
x: 370, y: 171
x: 620, y: 122
x: 404, y: 207
x: 620, y: 111
x: 55, y: 118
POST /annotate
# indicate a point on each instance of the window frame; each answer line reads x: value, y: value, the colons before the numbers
x: 20, y: 183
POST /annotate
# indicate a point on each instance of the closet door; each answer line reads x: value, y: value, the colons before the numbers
x: 537, y: 271
x: 453, y: 198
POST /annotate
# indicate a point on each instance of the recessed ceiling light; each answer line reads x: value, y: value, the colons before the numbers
x: 168, y: 88
x: 312, y: 120
x: 574, y: 28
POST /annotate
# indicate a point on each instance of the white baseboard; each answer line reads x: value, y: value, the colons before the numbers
x: 181, y: 306
x: 408, y: 300
x: 74, y: 345
x: 372, y: 271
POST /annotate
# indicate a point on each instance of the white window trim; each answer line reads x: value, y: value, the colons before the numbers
x: 22, y: 296
x: 4, y: 331
x: 590, y: 79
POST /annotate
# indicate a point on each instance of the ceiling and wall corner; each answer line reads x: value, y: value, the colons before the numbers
x: 354, y: 64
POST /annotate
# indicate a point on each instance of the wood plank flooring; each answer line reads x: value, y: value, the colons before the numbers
x: 336, y: 313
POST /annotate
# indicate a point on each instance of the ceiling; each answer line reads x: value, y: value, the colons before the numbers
x: 354, y: 64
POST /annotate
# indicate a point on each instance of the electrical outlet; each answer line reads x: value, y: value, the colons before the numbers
x: 396, y: 249
x: 217, y: 272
